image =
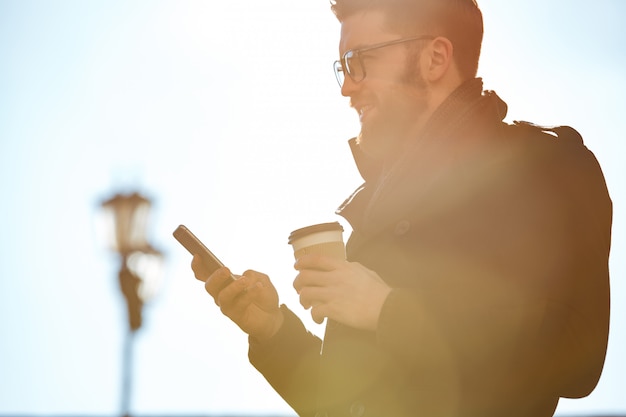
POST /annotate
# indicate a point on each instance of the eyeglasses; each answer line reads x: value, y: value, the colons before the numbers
x: 351, y: 62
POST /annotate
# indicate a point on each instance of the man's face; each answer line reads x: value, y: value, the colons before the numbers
x: 392, y: 98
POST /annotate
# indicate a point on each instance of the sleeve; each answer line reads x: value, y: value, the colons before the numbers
x: 516, y: 284
x: 289, y: 361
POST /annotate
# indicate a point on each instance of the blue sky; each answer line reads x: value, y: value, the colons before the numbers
x: 227, y: 114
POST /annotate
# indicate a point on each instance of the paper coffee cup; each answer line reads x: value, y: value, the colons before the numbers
x: 323, y: 239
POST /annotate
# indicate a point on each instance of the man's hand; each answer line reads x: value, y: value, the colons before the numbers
x: 343, y: 291
x: 251, y: 301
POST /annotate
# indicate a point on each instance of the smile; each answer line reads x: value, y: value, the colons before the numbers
x: 363, y: 110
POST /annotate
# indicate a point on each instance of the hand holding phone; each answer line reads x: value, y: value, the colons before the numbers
x: 258, y: 316
x: 196, y: 247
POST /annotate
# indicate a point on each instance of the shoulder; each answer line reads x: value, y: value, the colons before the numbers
x: 554, y: 159
x: 543, y: 141
x: 565, y: 134
x: 550, y: 148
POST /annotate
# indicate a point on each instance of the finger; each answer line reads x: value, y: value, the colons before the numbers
x: 230, y: 289
x: 318, y: 262
x: 200, y: 271
x: 236, y: 299
x: 260, y: 282
x: 318, y: 315
x: 312, y: 278
x: 229, y: 295
x: 313, y: 296
x: 233, y: 300
x: 218, y: 281
x: 255, y: 276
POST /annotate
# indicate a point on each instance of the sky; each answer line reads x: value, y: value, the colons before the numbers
x: 228, y: 117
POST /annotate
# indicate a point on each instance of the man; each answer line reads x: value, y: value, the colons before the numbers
x: 477, y: 274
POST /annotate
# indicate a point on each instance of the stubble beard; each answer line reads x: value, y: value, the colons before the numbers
x: 385, y: 137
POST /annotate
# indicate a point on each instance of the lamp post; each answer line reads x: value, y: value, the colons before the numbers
x: 126, y: 216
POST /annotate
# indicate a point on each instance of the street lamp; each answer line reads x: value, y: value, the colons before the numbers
x: 126, y: 217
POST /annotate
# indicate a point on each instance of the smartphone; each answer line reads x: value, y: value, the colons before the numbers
x: 196, y: 247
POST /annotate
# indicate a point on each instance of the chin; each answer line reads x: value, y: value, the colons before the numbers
x: 379, y: 143
x: 374, y: 146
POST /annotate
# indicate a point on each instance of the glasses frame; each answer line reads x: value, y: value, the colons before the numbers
x: 341, y: 66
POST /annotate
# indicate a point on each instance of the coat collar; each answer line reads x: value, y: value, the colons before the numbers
x: 466, y: 115
x: 452, y: 113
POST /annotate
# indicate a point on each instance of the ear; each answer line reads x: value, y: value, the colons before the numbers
x: 440, y: 58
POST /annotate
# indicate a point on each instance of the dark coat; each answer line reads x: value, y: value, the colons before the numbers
x: 495, y: 239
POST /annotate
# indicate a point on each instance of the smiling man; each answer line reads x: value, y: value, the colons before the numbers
x: 396, y: 79
x: 477, y: 275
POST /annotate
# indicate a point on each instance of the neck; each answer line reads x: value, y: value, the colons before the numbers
x: 438, y: 98
x: 452, y: 104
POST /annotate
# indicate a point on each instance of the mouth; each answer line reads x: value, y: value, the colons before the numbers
x: 363, y: 110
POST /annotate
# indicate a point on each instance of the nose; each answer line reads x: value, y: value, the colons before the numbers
x: 349, y: 87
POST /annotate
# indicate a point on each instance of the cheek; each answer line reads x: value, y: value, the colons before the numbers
x: 402, y: 103
x: 416, y: 99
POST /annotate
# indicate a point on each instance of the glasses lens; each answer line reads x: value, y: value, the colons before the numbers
x: 353, y: 65
x: 339, y: 73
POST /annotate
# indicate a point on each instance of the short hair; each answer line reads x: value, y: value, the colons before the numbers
x: 460, y: 21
